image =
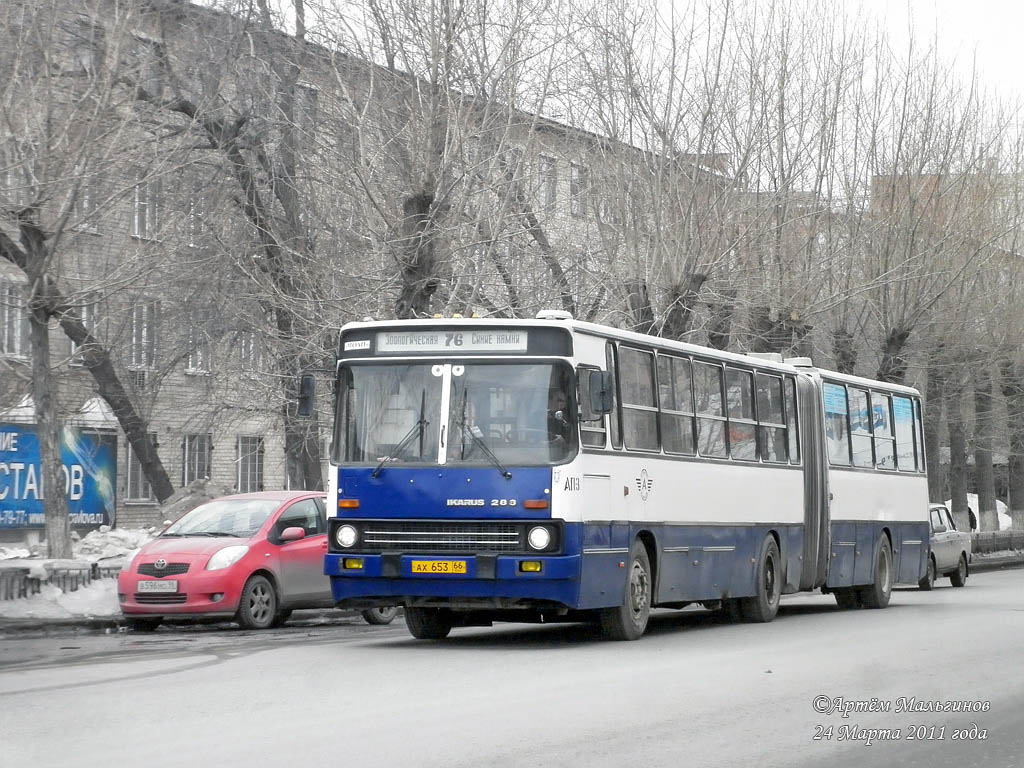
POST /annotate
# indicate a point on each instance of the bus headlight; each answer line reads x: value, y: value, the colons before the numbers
x: 346, y: 536
x: 539, y: 538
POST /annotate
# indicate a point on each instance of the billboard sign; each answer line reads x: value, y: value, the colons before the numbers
x: 89, y: 468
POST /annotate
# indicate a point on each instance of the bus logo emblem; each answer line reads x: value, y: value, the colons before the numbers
x: 643, y: 484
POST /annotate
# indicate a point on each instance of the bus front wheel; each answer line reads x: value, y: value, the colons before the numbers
x: 428, y: 623
x: 629, y: 620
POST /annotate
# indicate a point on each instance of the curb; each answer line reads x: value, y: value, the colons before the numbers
x: 981, y: 563
x: 115, y: 624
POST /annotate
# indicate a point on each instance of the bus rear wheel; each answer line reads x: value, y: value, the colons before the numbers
x: 763, y: 606
x: 877, y: 594
x: 428, y: 623
x: 629, y: 620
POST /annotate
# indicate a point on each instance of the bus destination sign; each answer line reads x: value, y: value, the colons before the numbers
x: 480, y: 340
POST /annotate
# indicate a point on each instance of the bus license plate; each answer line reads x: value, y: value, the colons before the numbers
x: 158, y: 586
x: 438, y: 566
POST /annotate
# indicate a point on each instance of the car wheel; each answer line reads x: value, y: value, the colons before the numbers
x: 764, y: 605
x: 258, y: 608
x: 959, y: 576
x: 877, y: 594
x: 143, y: 625
x: 380, y: 616
x: 928, y: 581
x: 282, y: 616
x: 629, y: 620
x: 428, y: 623
x: 847, y: 599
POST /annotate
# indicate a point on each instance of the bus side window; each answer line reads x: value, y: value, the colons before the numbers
x: 860, y: 427
x: 639, y: 405
x: 881, y: 424
x: 739, y: 392
x: 675, y: 400
x: 837, y: 424
x: 903, y: 421
x: 707, y: 389
x: 919, y: 436
x: 772, y: 428
x: 611, y: 363
x: 792, y: 425
x: 592, y: 430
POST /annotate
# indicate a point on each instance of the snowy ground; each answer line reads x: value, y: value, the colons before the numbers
x: 111, y: 547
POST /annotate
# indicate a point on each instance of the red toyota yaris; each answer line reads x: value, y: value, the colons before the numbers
x: 253, y: 557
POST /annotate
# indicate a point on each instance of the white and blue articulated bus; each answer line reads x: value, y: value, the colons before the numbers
x: 550, y: 470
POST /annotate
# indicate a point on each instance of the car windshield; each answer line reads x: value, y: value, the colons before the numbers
x: 224, y: 517
x: 497, y: 413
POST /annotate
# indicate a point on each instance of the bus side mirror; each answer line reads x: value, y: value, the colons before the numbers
x: 307, y: 395
x: 601, y: 399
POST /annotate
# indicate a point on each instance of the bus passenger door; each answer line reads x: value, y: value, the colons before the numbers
x: 816, y: 493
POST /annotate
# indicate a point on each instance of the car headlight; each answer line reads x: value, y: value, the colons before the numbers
x: 346, y: 536
x: 223, y: 558
x: 539, y: 537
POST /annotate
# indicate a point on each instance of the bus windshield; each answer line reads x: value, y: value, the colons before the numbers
x: 494, y: 413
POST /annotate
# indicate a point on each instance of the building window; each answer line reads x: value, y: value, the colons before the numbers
x: 13, y: 321
x: 577, y: 190
x: 307, y: 105
x: 87, y: 312
x: 547, y: 181
x: 200, y: 349
x: 195, y: 457
x: 250, y: 463
x: 249, y: 351
x: 149, y: 55
x: 138, y: 485
x: 146, y: 208
x: 194, y: 219
x: 143, y: 330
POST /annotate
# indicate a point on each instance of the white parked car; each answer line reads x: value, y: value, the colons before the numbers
x: 950, y: 549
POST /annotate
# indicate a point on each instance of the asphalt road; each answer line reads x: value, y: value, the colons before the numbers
x: 696, y: 691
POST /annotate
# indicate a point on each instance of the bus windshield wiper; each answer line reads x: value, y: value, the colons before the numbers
x: 417, y: 429
x: 478, y: 439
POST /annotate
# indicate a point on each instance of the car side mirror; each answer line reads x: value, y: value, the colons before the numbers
x: 293, y: 534
x: 307, y: 395
x: 601, y: 399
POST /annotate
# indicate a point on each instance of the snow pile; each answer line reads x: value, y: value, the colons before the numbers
x: 1005, y: 521
x: 105, y: 547
x: 9, y: 553
x: 98, y: 599
x: 111, y: 546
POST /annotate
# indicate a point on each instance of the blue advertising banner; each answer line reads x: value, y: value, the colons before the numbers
x: 89, y: 462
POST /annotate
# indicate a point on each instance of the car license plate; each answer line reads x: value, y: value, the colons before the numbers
x: 438, y: 566
x: 170, y: 585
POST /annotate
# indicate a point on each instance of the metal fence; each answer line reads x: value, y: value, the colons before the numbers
x: 996, y: 541
x: 15, y: 581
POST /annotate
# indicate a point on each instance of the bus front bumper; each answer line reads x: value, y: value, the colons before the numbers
x: 357, y: 577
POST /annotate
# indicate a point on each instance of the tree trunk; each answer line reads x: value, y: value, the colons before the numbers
x: 683, y: 300
x: 638, y: 301
x: 984, y: 475
x: 419, y: 261
x: 48, y: 431
x: 893, y: 365
x: 957, y: 458
x: 844, y: 350
x: 720, y: 322
x: 96, y: 359
x: 1012, y: 386
x: 935, y: 395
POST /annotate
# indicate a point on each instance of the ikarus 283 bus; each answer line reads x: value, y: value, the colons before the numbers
x: 549, y: 470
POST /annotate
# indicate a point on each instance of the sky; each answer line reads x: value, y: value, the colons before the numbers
x: 990, y: 30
